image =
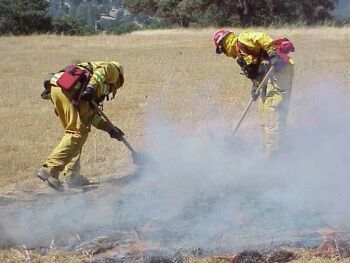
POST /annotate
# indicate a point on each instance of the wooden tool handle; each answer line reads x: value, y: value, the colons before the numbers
x: 262, y: 83
x: 126, y: 143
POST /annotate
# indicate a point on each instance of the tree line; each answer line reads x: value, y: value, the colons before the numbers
x: 72, y: 17
x: 236, y: 12
x: 79, y: 17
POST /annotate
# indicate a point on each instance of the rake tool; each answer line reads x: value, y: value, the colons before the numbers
x: 138, y: 158
x: 262, y: 83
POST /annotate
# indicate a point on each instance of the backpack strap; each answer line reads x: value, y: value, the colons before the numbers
x: 87, y: 66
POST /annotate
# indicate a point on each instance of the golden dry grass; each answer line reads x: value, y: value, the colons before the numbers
x: 20, y: 254
x: 170, y: 72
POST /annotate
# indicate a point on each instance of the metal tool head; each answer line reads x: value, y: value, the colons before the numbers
x: 142, y: 159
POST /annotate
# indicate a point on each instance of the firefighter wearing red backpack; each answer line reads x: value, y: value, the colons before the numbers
x: 255, y: 53
x: 71, y: 91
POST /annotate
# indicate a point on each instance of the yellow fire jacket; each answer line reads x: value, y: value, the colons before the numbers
x: 253, y: 41
x: 106, y: 78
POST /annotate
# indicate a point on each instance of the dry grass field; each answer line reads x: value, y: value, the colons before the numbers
x: 172, y: 73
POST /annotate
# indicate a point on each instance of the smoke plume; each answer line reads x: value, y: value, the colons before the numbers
x: 204, y: 191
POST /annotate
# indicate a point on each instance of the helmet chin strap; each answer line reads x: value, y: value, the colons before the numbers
x: 113, y: 95
x: 219, y: 49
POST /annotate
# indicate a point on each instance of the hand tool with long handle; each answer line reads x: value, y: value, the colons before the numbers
x: 262, y: 83
x: 136, y: 156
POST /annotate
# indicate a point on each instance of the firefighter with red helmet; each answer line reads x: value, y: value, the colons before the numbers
x: 255, y: 53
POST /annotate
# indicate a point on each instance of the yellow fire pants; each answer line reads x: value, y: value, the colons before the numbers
x: 77, y: 124
x: 273, y: 108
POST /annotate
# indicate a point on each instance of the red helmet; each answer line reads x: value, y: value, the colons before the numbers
x: 219, y: 35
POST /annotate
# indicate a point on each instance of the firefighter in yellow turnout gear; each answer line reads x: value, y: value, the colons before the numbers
x: 255, y: 53
x: 106, y: 78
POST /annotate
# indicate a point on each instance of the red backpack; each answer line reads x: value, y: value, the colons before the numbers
x: 71, y: 76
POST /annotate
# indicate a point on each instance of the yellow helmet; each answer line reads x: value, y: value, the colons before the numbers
x: 120, y: 81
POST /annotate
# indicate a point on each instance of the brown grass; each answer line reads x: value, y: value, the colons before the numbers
x: 172, y: 72
x: 21, y: 254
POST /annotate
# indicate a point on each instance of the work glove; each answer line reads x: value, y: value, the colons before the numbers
x: 274, y: 58
x: 100, y: 99
x: 115, y: 133
x: 89, y: 93
x: 255, y: 95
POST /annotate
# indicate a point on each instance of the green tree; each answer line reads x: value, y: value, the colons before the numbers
x: 167, y: 10
x: 184, y: 13
x: 121, y: 25
x: 24, y: 17
x: 58, y: 8
x: 236, y: 12
x: 73, y: 4
x: 313, y: 12
x: 68, y: 25
x: 87, y: 13
x: 145, y: 6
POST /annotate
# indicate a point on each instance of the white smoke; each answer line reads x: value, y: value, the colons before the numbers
x: 204, y: 191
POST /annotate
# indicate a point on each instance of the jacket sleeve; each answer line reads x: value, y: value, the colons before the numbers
x: 104, y: 75
x: 255, y: 42
x: 99, y: 123
x: 262, y: 40
x: 98, y: 80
